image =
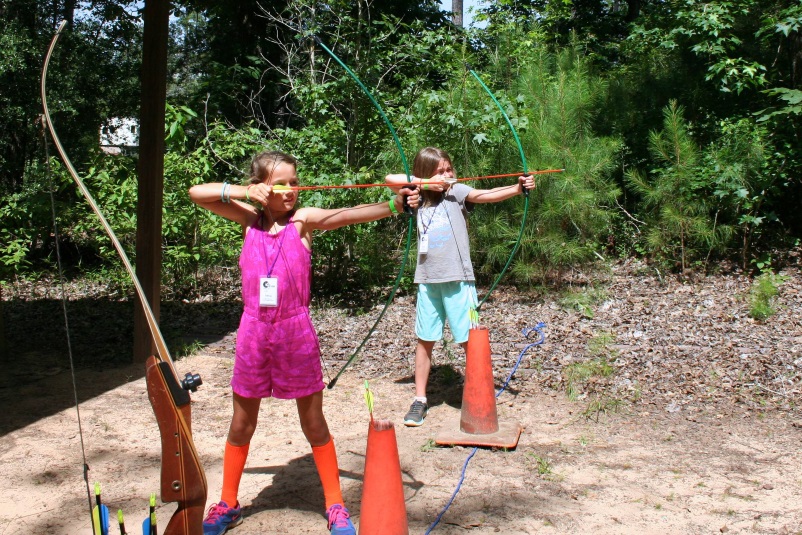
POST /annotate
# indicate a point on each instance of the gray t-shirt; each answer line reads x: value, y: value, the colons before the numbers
x: 445, y: 226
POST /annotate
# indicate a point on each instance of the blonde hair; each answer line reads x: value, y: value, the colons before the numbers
x: 263, y: 164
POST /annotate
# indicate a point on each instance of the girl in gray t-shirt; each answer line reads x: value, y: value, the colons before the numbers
x: 444, y: 273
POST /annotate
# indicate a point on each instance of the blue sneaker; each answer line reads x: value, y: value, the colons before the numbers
x: 221, y: 517
x: 339, y: 520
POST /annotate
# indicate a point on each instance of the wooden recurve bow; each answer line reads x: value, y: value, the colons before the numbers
x: 182, y: 476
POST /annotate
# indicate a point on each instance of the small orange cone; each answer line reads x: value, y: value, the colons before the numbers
x: 383, y: 510
x: 479, y: 425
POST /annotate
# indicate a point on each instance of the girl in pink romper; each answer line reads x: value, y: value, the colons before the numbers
x: 278, y: 354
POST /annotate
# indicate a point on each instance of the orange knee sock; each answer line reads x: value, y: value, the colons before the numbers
x: 329, y: 472
x: 233, y: 467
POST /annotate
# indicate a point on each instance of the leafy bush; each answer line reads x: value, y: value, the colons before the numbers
x: 763, y: 295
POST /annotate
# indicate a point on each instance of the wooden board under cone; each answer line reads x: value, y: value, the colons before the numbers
x: 479, y: 425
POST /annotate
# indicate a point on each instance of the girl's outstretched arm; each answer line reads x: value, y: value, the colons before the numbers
x: 397, y: 181
x: 330, y: 219
x: 224, y: 200
x: 501, y: 193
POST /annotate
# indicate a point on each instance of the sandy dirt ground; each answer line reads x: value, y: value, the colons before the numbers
x: 655, y: 463
x: 635, y: 471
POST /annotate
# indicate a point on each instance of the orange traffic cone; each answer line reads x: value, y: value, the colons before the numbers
x: 479, y: 425
x: 479, y: 415
x: 383, y: 510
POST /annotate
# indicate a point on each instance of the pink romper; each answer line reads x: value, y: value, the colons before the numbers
x: 278, y: 353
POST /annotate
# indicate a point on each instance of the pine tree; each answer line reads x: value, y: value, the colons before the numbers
x: 681, y: 223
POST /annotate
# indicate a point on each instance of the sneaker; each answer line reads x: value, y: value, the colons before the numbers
x: 417, y: 413
x: 340, y: 520
x: 220, y: 518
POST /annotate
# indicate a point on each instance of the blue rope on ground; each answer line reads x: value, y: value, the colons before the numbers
x: 456, y: 490
x: 526, y: 332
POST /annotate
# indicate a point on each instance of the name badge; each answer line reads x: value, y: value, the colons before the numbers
x: 423, y: 244
x: 268, y: 292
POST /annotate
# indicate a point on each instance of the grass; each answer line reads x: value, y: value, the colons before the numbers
x: 429, y: 445
x: 599, y: 345
x: 543, y: 466
x: 577, y: 374
x: 602, y: 405
x: 763, y: 295
x: 188, y: 348
x: 582, y: 300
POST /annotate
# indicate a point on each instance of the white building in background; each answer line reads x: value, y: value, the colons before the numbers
x: 119, y: 135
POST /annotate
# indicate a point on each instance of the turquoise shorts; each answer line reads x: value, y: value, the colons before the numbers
x: 444, y: 300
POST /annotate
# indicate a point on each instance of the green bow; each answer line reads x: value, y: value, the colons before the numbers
x: 526, y: 191
x: 410, y: 226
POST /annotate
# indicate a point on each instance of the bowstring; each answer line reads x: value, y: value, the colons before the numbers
x: 62, y: 290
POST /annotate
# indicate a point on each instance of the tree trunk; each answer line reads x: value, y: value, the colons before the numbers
x: 4, y: 357
x: 633, y: 10
x: 69, y: 12
x: 456, y: 12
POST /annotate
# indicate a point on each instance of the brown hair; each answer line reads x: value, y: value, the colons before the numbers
x: 263, y: 164
x: 425, y: 165
x: 426, y: 161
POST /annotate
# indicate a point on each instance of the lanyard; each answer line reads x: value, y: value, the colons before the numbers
x: 434, y: 211
x: 278, y: 253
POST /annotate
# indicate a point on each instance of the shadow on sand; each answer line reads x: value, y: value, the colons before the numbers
x: 37, y: 371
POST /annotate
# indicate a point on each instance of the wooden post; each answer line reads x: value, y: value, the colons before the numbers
x: 151, y: 169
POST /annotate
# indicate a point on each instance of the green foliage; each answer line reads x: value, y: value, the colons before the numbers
x: 704, y: 201
x: 26, y: 222
x: 551, y: 100
x: 763, y: 295
x: 722, y: 61
x: 352, y: 258
x: 194, y: 238
x: 743, y: 180
x: 712, y: 28
x: 682, y: 225
x: 21, y: 48
x: 595, y: 27
x: 571, y: 210
x: 247, y: 76
x: 396, y: 60
x: 792, y: 99
x: 598, y: 346
x: 582, y: 300
x: 19, y: 234
x: 783, y: 27
x: 602, y: 405
x: 577, y: 374
x: 543, y: 464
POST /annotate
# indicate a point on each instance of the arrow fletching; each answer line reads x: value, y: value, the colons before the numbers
x: 369, y: 400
